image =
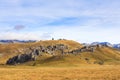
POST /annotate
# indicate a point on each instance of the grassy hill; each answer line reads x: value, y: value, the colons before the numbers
x: 102, y: 55
x: 10, y: 50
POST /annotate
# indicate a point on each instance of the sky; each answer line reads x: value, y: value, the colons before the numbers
x: 84, y: 21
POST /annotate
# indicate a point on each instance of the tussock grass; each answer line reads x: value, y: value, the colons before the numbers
x: 83, y: 72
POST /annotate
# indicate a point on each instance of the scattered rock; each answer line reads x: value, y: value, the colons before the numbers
x: 32, y: 53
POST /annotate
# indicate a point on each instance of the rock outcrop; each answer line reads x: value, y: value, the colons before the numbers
x: 31, y: 54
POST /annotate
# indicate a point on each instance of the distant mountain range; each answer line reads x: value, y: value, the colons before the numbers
x: 107, y: 44
x: 15, y: 41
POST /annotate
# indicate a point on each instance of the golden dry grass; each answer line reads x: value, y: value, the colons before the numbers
x: 84, y: 72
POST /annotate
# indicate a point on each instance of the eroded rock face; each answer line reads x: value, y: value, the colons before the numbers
x: 21, y: 58
x: 32, y: 53
x: 83, y: 49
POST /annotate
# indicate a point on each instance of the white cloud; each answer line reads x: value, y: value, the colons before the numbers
x: 81, y: 34
x: 87, y: 34
x: 21, y: 36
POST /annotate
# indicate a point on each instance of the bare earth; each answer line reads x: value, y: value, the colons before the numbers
x: 94, y: 72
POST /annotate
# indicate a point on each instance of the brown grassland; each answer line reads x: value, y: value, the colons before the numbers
x: 83, y: 72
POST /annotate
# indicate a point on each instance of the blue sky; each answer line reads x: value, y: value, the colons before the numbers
x: 79, y: 20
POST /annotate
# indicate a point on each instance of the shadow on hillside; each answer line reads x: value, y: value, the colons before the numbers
x: 51, y: 59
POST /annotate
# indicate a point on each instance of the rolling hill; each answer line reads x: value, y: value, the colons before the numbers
x: 75, y: 54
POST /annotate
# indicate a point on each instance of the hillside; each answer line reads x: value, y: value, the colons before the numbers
x: 12, y: 49
x: 68, y: 53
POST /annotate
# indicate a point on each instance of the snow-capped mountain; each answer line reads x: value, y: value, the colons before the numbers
x: 16, y: 41
x: 116, y: 46
x: 102, y: 43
